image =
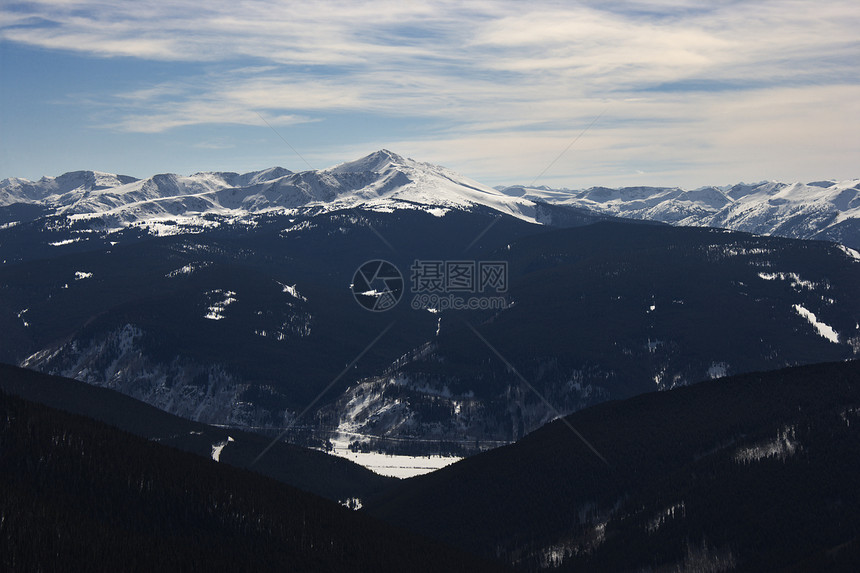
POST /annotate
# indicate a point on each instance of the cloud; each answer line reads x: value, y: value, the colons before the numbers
x: 790, y: 133
x: 505, y: 85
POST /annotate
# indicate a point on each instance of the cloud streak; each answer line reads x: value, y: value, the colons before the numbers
x: 678, y: 77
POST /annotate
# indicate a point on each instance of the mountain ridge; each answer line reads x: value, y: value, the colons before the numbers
x: 755, y: 470
x: 386, y: 181
x: 822, y: 210
x: 382, y: 180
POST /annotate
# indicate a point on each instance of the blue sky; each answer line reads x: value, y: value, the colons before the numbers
x: 687, y: 93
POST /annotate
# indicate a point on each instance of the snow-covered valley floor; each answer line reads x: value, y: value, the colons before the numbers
x: 398, y: 466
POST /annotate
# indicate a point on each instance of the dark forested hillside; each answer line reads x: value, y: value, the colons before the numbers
x: 244, y: 325
x: 612, y: 310
x: 78, y: 495
x: 621, y: 309
x: 317, y: 472
x: 755, y: 472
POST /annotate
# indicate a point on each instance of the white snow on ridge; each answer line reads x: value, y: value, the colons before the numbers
x: 850, y: 252
x: 787, y: 209
x: 171, y: 204
x: 823, y: 329
x: 67, y: 187
x: 65, y: 242
x: 795, y: 279
x: 396, y: 182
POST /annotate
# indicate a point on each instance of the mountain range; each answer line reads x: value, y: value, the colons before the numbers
x: 168, y: 203
x: 382, y: 180
x: 824, y: 210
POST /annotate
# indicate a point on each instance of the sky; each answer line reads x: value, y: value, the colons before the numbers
x: 563, y: 94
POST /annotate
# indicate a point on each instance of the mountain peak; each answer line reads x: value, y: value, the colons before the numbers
x: 378, y: 162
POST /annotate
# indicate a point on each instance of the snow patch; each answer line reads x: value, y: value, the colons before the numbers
x: 671, y: 512
x: 65, y: 242
x: 187, y: 269
x: 353, y: 503
x: 292, y: 291
x: 796, y: 281
x: 217, y: 308
x: 823, y: 329
x: 399, y: 466
x: 785, y: 444
x: 219, y: 447
x: 437, y: 211
x: 717, y: 370
x: 850, y: 252
x: 848, y: 414
x: 303, y: 226
x: 554, y: 556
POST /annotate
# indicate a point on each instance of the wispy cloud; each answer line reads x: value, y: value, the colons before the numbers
x: 501, y: 81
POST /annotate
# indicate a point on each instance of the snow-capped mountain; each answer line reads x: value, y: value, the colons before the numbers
x: 51, y: 190
x: 384, y: 181
x: 380, y: 181
x: 827, y: 210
